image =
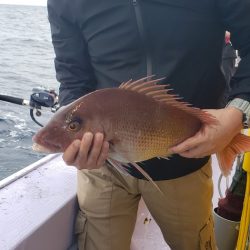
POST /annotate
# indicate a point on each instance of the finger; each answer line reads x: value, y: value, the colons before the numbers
x: 85, y: 148
x: 95, y: 150
x: 194, y: 153
x: 188, y: 144
x: 71, y: 152
x: 104, y: 154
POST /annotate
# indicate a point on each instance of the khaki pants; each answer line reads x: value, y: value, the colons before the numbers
x: 109, y: 200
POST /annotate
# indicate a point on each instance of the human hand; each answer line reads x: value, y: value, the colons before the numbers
x: 212, y: 138
x: 88, y: 153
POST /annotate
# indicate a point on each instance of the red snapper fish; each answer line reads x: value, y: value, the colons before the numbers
x: 140, y: 120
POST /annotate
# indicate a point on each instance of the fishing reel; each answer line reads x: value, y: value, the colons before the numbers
x: 41, y: 97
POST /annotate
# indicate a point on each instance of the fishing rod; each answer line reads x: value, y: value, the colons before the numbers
x: 41, y: 97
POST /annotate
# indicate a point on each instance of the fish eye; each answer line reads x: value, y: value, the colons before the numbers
x: 74, y: 126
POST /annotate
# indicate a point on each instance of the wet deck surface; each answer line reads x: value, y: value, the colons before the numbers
x: 147, y: 235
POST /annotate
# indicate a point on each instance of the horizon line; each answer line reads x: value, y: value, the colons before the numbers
x: 23, y: 4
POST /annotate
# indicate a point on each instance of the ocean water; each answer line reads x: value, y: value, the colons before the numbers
x: 26, y: 61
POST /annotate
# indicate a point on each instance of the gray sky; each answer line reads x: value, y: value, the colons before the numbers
x: 24, y: 2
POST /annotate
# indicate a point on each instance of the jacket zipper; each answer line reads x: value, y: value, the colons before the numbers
x: 142, y: 34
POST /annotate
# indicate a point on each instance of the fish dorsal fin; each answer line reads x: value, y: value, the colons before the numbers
x: 160, y: 93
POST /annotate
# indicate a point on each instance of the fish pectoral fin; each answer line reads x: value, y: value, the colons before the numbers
x: 239, y: 144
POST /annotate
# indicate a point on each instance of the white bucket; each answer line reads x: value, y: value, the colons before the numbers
x: 226, y: 232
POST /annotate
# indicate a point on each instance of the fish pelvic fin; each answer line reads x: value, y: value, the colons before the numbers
x: 160, y: 93
x: 239, y: 144
x: 146, y: 175
x: 121, y: 167
x: 118, y: 166
x: 164, y: 157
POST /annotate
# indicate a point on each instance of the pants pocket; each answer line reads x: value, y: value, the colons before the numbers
x: 207, y: 238
x: 81, y: 229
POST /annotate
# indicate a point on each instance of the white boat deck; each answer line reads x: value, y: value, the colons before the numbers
x: 37, y: 210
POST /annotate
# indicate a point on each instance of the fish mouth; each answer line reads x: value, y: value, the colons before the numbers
x: 44, y: 149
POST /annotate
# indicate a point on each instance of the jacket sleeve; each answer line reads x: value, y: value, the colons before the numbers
x: 235, y: 16
x: 72, y: 62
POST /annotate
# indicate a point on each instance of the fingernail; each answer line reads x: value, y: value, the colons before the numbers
x: 99, y: 135
x: 77, y: 143
x: 88, y: 135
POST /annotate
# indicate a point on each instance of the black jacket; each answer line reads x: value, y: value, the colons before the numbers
x: 100, y: 44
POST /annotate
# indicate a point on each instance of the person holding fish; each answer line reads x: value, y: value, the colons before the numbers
x: 136, y: 138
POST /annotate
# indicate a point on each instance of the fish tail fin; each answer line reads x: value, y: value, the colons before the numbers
x: 239, y: 144
x: 146, y: 175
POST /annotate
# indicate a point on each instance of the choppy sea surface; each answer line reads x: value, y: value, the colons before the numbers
x: 26, y: 62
